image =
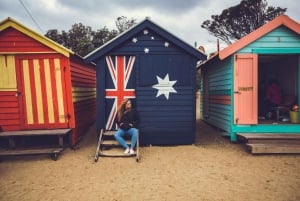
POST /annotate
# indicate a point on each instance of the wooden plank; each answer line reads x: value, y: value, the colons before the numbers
x: 109, y: 133
x: 273, y: 141
x: 273, y: 148
x: 35, y: 132
x: 30, y: 151
x: 115, y: 153
x: 273, y: 136
x: 113, y: 143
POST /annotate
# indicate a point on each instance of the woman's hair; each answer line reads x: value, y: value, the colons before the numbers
x: 122, y: 108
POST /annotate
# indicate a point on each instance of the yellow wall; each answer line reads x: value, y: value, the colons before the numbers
x: 8, y: 81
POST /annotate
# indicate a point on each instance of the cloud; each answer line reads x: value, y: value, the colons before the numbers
x: 181, y: 18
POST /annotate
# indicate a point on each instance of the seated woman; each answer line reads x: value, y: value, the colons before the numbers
x: 127, y: 119
x: 273, y: 97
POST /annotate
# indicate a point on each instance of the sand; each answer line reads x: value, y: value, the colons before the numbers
x: 213, y: 168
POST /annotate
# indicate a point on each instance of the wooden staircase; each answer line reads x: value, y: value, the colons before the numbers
x: 268, y: 143
x: 109, y: 147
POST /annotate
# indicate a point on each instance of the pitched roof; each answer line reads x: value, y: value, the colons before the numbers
x: 128, y: 34
x: 10, y: 22
x: 282, y: 20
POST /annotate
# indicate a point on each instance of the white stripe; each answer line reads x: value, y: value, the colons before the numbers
x: 112, y: 116
x: 112, y: 70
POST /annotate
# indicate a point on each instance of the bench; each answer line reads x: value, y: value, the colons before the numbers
x: 60, y: 133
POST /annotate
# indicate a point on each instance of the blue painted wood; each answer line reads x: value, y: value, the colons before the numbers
x: 281, y: 37
x: 163, y: 121
x: 154, y: 31
x: 219, y: 83
x: 220, y: 79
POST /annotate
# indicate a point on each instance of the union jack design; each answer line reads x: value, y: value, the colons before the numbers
x: 120, y: 72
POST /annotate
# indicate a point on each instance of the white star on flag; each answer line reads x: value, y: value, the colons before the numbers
x: 164, y: 86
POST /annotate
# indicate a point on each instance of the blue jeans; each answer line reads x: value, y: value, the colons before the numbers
x: 132, y: 132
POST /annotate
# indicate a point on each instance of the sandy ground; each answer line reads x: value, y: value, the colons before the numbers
x: 211, y: 169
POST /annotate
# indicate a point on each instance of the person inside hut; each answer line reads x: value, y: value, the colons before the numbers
x: 273, y: 97
x: 127, y: 120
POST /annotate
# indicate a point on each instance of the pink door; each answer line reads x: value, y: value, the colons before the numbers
x: 245, y: 89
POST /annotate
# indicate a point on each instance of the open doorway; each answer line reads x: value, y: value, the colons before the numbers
x: 282, y: 68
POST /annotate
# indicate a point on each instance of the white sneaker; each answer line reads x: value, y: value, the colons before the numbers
x: 131, y: 152
x: 127, y: 150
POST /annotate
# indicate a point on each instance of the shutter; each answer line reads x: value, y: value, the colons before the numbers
x: 245, y: 89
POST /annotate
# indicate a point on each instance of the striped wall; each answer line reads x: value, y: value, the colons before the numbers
x: 281, y: 38
x: 43, y: 92
x: 216, y: 84
x: 83, y: 79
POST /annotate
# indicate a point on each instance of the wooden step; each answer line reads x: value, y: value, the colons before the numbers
x: 114, y: 153
x: 12, y: 152
x: 113, y: 143
x: 273, y: 148
x: 35, y: 132
x: 268, y: 137
x: 19, y: 152
x: 109, y: 133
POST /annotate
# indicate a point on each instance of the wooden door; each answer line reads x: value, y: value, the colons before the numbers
x: 245, y: 89
x: 41, y: 92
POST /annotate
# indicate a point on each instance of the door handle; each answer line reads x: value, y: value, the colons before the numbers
x: 18, y: 93
x: 237, y: 92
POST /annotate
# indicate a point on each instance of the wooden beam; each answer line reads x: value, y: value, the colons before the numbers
x: 273, y: 148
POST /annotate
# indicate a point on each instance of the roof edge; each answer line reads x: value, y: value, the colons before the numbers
x: 266, y: 28
x: 92, y: 57
x: 10, y: 22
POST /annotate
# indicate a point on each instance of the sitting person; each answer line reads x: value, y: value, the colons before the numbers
x: 273, y: 97
x: 127, y: 120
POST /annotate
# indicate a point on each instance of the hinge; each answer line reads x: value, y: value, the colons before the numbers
x: 236, y: 120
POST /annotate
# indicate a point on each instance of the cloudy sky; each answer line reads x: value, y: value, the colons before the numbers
x: 182, y: 18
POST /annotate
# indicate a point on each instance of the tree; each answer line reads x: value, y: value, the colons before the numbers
x: 122, y: 23
x: 82, y: 39
x: 237, y: 21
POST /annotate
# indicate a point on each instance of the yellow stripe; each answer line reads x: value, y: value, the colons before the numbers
x: 59, y: 91
x: 38, y: 91
x: 49, y: 90
x: 8, y: 80
x: 83, y: 93
x: 27, y: 92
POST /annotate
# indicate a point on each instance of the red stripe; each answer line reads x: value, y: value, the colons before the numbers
x: 33, y: 92
x: 54, y: 91
x: 62, y: 74
x: 44, y: 90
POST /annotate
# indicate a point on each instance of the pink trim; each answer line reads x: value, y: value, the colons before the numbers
x: 278, y: 21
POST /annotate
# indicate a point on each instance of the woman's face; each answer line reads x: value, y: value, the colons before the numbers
x: 128, y: 105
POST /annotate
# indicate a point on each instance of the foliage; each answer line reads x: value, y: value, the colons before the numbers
x: 82, y: 39
x: 122, y: 23
x: 237, y: 21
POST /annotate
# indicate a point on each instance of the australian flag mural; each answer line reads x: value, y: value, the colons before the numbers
x: 119, y: 85
x: 158, y: 71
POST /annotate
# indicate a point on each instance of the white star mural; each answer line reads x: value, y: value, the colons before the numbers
x: 164, y: 86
